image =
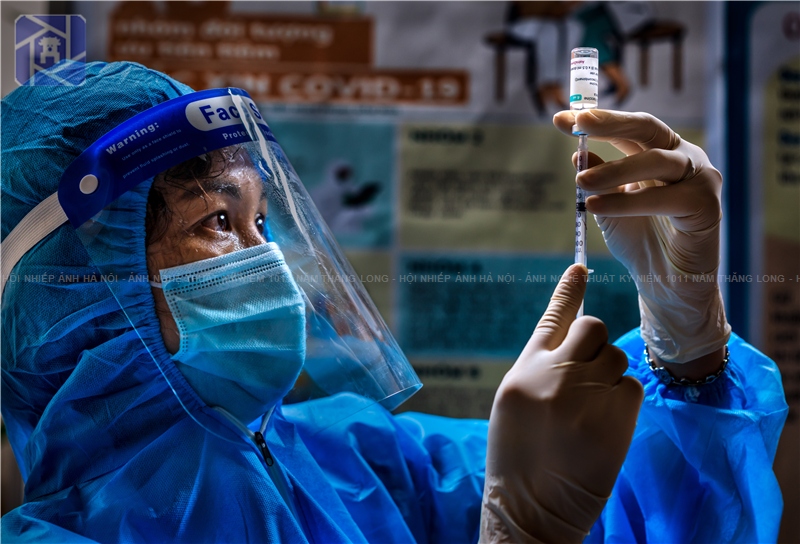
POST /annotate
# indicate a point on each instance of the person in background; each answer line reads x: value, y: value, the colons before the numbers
x: 548, y: 29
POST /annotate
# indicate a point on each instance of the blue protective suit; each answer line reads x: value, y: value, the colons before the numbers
x: 109, y: 453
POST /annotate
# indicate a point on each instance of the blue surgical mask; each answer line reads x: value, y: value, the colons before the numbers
x: 241, y: 319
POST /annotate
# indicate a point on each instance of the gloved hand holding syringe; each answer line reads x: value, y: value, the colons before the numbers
x: 583, y: 91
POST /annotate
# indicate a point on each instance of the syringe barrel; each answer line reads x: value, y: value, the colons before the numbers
x: 580, y: 205
x: 583, y: 153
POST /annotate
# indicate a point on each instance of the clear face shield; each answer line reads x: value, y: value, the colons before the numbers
x: 255, y: 301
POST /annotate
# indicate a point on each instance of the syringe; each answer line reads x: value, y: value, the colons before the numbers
x: 584, y: 75
x: 580, y: 203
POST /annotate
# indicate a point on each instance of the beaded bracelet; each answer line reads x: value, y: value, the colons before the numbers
x: 666, y: 377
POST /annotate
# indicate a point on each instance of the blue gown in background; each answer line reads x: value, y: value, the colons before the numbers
x: 111, y: 451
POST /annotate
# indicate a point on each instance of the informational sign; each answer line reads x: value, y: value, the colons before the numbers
x: 223, y: 38
x: 488, y: 186
x: 774, y: 178
x: 422, y: 132
x: 471, y: 306
x: 351, y: 185
x: 277, y: 57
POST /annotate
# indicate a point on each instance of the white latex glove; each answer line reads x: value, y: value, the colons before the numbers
x: 560, y: 427
x: 659, y: 210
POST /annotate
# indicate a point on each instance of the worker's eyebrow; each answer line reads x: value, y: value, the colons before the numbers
x: 217, y: 185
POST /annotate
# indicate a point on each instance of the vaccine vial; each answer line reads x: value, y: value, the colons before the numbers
x: 583, y: 78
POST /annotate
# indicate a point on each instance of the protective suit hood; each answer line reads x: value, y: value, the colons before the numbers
x: 74, y: 384
x: 249, y: 320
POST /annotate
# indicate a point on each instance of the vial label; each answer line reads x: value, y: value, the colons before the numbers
x: 583, y: 87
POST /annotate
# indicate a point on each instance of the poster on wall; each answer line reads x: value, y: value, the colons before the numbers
x: 422, y: 130
x: 774, y: 186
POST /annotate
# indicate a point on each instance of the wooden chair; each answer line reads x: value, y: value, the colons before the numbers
x: 501, y: 41
x: 659, y: 31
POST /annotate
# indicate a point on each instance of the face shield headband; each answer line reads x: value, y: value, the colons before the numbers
x: 348, y: 347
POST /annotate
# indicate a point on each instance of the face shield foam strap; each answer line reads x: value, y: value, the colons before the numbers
x: 138, y: 149
x: 46, y: 217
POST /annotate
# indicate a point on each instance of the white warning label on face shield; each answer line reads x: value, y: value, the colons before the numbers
x: 219, y: 112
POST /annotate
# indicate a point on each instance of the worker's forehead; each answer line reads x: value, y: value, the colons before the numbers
x: 229, y: 170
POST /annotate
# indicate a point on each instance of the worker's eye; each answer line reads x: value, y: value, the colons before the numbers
x: 261, y: 223
x: 217, y: 222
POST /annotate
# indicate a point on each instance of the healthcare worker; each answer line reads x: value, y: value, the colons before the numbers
x: 185, y: 359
